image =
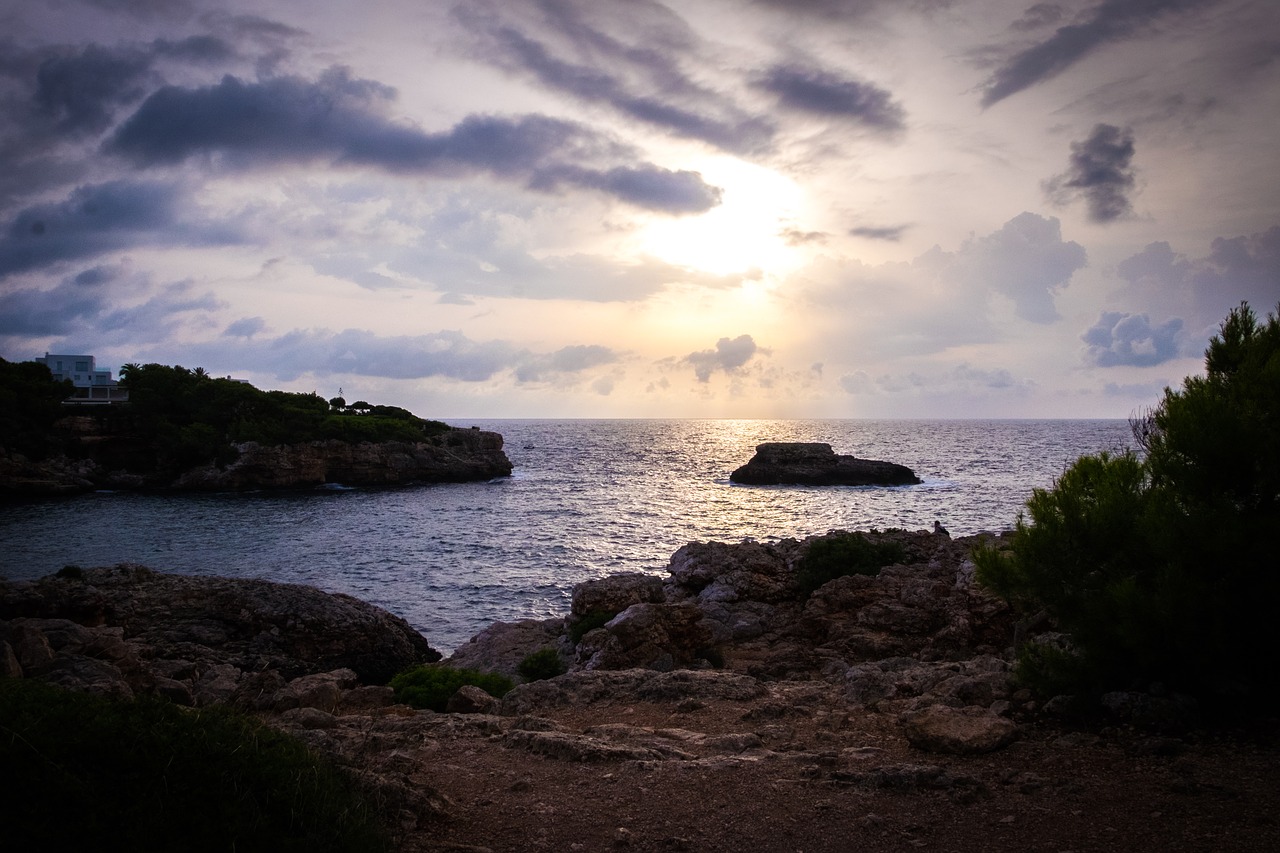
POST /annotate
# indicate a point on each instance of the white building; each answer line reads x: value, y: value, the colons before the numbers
x: 91, y: 384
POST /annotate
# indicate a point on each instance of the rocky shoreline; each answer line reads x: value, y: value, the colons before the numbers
x: 455, y: 456
x: 719, y: 708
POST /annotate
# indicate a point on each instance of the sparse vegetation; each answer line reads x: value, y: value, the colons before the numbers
x: 430, y: 685
x: 82, y: 772
x: 834, y: 557
x: 590, y: 621
x: 1161, y: 567
x: 544, y: 663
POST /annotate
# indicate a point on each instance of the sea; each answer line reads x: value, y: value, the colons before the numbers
x: 587, y: 498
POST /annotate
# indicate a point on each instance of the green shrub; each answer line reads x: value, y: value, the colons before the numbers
x: 430, y: 685
x: 81, y: 771
x: 544, y: 663
x: 590, y: 621
x: 846, y: 554
x: 1161, y: 568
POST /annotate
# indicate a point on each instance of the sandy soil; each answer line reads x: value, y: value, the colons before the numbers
x: 826, y: 778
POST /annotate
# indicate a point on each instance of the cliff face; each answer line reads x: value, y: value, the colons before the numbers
x: 459, y: 455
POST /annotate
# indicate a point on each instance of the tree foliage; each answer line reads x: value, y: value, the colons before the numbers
x: 1161, y: 567
x: 193, y: 419
x: 30, y: 401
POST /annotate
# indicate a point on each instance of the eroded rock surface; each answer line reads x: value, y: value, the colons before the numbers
x: 816, y: 464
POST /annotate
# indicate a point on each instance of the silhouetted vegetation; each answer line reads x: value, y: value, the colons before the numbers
x: 82, y: 772
x: 30, y: 402
x: 1161, y: 567
x: 846, y: 554
x: 430, y: 685
x: 192, y: 418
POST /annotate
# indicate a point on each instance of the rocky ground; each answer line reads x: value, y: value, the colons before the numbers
x: 720, y: 708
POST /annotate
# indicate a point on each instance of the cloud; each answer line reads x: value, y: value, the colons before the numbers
x: 813, y: 90
x: 340, y: 119
x: 102, y: 218
x: 1245, y: 268
x: 1100, y: 171
x: 322, y: 352
x: 1129, y: 339
x: 797, y: 237
x: 57, y: 310
x: 626, y: 56
x: 79, y: 92
x: 963, y: 378
x: 1026, y: 260
x: 890, y: 233
x: 569, y: 360
x: 1110, y: 21
x: 246, y: 327
x: 729, y: 355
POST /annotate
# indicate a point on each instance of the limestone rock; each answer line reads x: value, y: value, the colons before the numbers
x: 960, y: 731
x: 472, y: 700
x: 815, y: 464
x: 501, y: 646
x: 654, y: 636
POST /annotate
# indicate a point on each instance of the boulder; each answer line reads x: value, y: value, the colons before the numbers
x: 959, y: 731
x: 503, y: 645
x: 816, y: 464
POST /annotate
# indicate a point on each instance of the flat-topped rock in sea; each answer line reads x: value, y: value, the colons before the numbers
x: 816, y: 464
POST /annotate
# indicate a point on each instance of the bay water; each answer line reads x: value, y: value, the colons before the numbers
x: 587, y: 498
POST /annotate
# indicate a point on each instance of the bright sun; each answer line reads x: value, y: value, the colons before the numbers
x: 744, y: 232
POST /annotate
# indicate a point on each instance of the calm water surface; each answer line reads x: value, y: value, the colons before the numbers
x: 588, y: 498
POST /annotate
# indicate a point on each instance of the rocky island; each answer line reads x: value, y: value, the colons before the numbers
x: 182, y: 430
x: 816, y: 464
x: 729, y: 705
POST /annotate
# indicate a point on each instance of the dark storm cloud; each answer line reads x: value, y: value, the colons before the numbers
x: 196, y: 49
x: 1110, y: 21
x: 57, y: 310
x: 1037, y: 16
x: 814, y: 90
x: 890, y: 233
x: 1119, y: 339
x: 567, y: 361
x: 642, y: 81
x: 729, y: 355
x: 102, y: 218
x: 1101, y: 170
x: 80, y: 92
x: 338, y: 118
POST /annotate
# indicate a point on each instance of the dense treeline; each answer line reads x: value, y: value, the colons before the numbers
x: 186, y: 417
x: 195, y: 418
x: 30, y: 402
x: 1161, y: 566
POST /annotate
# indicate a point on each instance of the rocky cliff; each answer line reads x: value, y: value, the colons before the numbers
x: 459, y: 455
x: 816, y: 464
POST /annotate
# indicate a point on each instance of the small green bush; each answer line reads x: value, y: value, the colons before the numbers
x: 430, y: 685
x: 544, y: 663
x: 590, y: 620
x: 846, y: 554
x: 81, y: 771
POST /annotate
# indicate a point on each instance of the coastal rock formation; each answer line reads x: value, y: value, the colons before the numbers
x: 816, y: 464
x: 199, y: 640
x: 459, y: 455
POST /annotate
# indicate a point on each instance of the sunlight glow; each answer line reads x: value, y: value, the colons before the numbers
x: 744, y: 233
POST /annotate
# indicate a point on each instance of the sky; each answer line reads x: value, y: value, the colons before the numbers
x: 633, y: 208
